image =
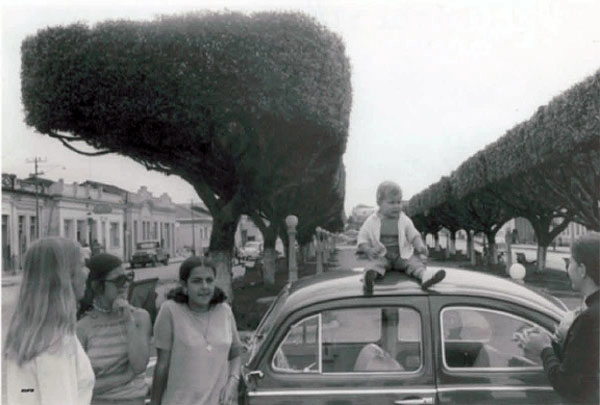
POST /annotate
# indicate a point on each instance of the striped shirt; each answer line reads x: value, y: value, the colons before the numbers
x: 104, y: 338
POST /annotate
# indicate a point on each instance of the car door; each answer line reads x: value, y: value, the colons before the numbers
x: 478, y: 361
x: 365, y: 350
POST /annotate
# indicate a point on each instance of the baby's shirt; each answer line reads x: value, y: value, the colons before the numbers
x: 371, y: 232
x: 389, y: 237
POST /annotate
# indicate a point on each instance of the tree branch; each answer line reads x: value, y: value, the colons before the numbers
x: 66, y: 143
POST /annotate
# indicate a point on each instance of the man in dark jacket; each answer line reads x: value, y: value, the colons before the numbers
x: 572, y: 367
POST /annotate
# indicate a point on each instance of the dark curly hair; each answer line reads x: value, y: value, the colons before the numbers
x: 185, y: 270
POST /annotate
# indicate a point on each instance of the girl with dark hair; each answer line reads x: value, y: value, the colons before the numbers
x: 196, y: 333
x: 114, y: 334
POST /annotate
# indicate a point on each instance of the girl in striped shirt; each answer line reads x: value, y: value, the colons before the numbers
x: 114, y: 334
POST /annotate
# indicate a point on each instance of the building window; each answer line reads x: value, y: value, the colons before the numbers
x: 135, y: 233
x: 32, y: 230
x: 103, y: 233
x: 155, y: 231
x: 167, y: 236
x: 114, y: 235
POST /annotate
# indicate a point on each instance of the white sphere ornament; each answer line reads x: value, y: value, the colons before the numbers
x: 517, y: 271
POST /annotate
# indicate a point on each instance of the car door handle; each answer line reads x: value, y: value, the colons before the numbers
x: 415, y: 401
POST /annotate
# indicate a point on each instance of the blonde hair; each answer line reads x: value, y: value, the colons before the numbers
x: 46, y: 307
x: 387, y: 189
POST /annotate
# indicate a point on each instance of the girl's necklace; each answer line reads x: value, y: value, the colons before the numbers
x: 206, y: 329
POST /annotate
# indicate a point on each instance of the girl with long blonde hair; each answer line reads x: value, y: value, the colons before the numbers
x: 45, y: 363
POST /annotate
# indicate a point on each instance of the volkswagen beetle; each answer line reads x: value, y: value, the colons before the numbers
x: 323, y: 341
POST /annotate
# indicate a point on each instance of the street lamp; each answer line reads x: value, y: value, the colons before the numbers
x: 292, y: 221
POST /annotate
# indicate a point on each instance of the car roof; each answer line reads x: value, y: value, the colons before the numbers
x: 340, y: 284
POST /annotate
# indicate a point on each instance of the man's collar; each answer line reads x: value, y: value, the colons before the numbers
x: 592, y: 298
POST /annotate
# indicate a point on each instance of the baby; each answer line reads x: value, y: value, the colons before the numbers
x: 388, y: 240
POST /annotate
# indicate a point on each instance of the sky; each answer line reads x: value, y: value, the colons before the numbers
x: 433, y: 81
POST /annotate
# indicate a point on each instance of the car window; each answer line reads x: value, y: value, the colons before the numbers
x: 353, y: 340
x: 299, y: 350
x: 483, y: 338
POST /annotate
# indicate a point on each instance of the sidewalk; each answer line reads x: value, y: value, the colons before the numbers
x: 552, y: 281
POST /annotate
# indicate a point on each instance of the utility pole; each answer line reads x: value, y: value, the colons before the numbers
x: 35, y: 175
x: 193, y: 229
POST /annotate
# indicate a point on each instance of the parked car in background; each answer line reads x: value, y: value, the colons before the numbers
x: 149, y: 252
x: 251, y: 251
x: 323, y: 341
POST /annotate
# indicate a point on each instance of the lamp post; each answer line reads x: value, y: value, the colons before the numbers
x: 292, y: 221
x: 319, y: 249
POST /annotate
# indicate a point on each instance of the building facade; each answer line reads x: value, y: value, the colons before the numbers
x: 193, y: 229
x: 91, y: 213
x: 19, y: 217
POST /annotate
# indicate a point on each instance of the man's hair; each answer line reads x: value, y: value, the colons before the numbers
x: 586, y: 251
x: 386, y: 189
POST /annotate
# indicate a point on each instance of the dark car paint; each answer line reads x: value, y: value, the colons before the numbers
x: 432, y: 383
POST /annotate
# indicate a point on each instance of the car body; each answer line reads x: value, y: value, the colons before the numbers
x: 149, y: 252
x: 323, y: 341
x: 252, y: 250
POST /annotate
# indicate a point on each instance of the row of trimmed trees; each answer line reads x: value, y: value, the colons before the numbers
x: 546, y: 169
x: 251, y: 110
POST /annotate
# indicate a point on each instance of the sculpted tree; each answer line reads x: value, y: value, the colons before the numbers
x: 228, y: 102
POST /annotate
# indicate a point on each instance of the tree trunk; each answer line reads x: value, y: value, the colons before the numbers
x: 269, y: 265
x: 436, y: 237
x: 492, y: 256
x: 508, y: 258
x: 545, y: 232
x: 222, y: 261
x: 541, y: 257
x: 453, y: 243
x: 471, y: 247
x: 221, y: 246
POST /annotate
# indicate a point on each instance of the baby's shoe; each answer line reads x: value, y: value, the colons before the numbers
x: 431, y: 279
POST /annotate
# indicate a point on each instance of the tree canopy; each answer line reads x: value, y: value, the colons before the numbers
x: 546, y: 169
x: 237, y: 105
x: 243, y: 107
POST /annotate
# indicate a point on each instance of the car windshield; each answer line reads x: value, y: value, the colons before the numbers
x: 267, y: 322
